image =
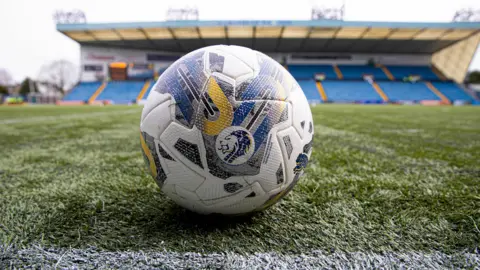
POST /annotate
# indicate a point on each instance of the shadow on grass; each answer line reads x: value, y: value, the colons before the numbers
x: 144, y: 219
x: 188, y: 220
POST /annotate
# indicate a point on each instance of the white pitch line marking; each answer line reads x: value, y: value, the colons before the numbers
x: 65, y: 117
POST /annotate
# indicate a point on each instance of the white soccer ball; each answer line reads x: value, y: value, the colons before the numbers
x: 227, y: 130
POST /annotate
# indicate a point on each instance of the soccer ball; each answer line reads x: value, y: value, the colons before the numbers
x: 227, y: 130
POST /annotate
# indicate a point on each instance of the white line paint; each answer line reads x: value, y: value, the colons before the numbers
x: 93, y: 258
x: 66, y: 117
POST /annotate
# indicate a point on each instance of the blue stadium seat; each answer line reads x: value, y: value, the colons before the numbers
x: 400, y: 72
x: 121, y: 91
x: 350, y: 91
x: 83, y: 91
x: 407, y: 91
x: 307, y: 72
x: 357, y: 72
x: 452, y: 91
x: 310, y: 90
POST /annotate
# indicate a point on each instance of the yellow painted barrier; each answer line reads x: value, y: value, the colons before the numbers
x: 387, y: 72
x: 438, y: 93
x: 322, y: 91
x: 95, y: 95
x: 380, y: 91
x: 144, y: 90
x: 338, y: 72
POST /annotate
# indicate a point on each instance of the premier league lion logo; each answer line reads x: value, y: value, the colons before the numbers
x: 234, y: 144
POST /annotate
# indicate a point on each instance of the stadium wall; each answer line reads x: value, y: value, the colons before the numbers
x: 94, y: 61
x: 360, y: 59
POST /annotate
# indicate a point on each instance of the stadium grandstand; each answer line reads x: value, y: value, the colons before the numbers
x: 333, y: 61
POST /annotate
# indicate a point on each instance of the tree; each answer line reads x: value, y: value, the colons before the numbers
x: 473, y: 77
x: 5, y: 78
x: 59, y: 75
x: 3, y: 90
x: 28, y: 86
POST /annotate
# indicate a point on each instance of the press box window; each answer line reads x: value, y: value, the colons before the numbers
x: 92, y: 68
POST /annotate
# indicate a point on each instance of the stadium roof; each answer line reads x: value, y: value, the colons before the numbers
x: 275, y: 36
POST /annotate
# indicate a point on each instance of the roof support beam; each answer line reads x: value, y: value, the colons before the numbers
x: 226, y: 35
x: 352, y: 44
x: 253, y: 37
x: 117, y: 33
x: 409, y: 40
x: 122, y: 40
x: 279, y: 39
x: 302, y: 44
x: 91, y: 34
x: 330, y: 40
x: 200, y: 37
x: 445, y: 33
x: 379, y: 42
x: 418, y: 33
x: 147, y: 38
x: 176, y: 39
x: 144, y: 33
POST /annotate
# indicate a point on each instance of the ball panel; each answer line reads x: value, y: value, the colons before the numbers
x: 187, y: 195
x: 269, y: 176
x: 290, y: 149
x: 185, y: 146
x: 285, y: 118
x: 185, y: 199
x: 154, y: 99
x: 185, y: 81
x: 227, y: 64
x: 284, y: 77
x: 157, y: 120
x: 161, y: 159
x: 265, y: 86
x: 152, y: 159
x: 219, y: 189
x: 243, y: 203
x: 183, y: 176
x: 246, y: 55
x: 302, y: 114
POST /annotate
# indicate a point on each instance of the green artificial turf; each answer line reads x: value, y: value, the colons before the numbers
x: 381, y: 178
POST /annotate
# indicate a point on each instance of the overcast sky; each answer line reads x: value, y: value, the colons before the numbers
x: 28, y: 38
